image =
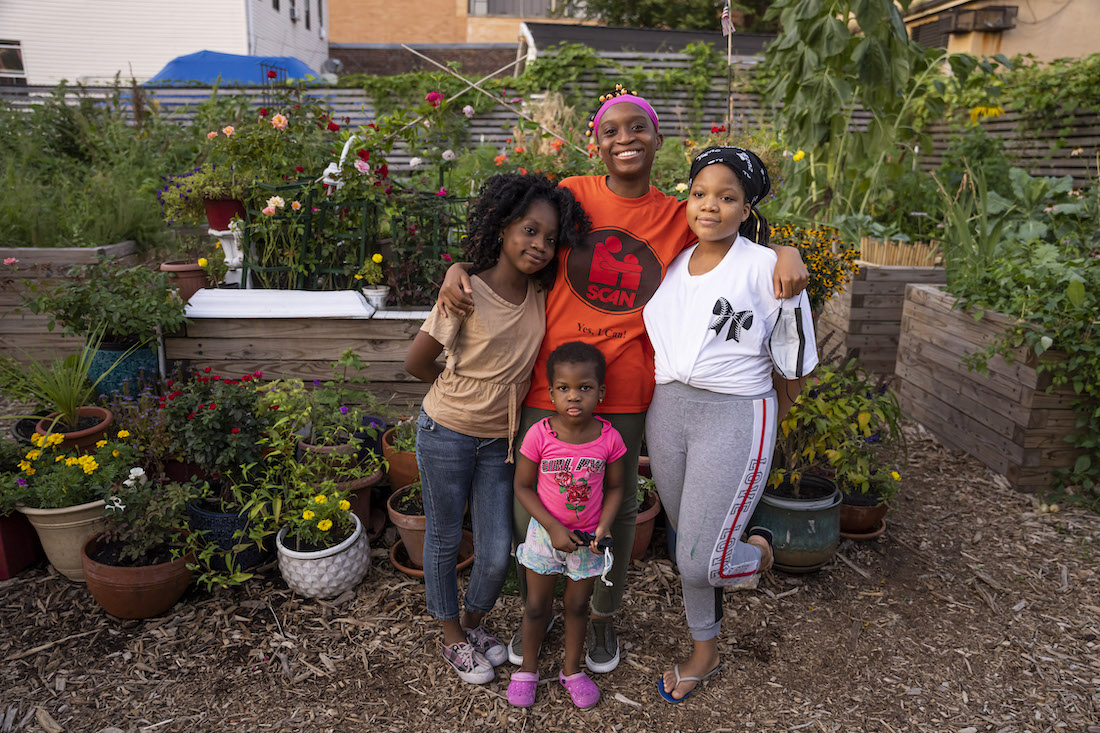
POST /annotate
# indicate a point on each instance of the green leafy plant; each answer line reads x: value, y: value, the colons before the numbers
x: 146, y: 519
x: 182, y: 196
x: 127, y: 302
x: 843, y: 426
x: 404, y: 436
x: 411, y: 500
x: 646, y: 486
x: 371, y: 273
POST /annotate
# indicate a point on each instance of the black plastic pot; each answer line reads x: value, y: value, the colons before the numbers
x: 368, y: 442
x: 219, y: 528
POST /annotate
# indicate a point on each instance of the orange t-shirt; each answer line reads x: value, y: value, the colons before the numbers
x: 604, y: 283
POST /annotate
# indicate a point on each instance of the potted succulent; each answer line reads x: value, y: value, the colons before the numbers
x: 131, y: 305
x: 370, y: 277
x: 62, y: 493
x: 138, y: 568
x: 399, y: 450
x: 62, y: 387
x: 323, y: 547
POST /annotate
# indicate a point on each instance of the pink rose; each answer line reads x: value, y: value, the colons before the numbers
x: 228, y: 130
x: 468, y: 111
x: 362, y: 166
x: 441, y: 192
x: 211, y: 135
x: 279, y: 122
x: 434, y: 98
x: 10, y: 261
x: 268, y: 210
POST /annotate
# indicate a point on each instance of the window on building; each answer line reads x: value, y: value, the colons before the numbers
x: 307, y: 15
x: 275, y: 5
x: 320, y: 18
x: 522, y: 8
x: 12, y: 72
x: 293, y: 11
x: 933, y: 34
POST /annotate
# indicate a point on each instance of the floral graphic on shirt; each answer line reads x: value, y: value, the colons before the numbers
x: 577, y: 491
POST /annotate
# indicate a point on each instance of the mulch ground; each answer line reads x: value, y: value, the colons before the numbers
x: 973, y: 612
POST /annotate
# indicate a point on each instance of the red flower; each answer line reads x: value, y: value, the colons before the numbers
x: 170, y: 382
x: 347, y: 120
x: 263, y: 111
x: 363, y: 154
x: 206, y: 370
x: 271, y: 74
x: 382, y: 170
x: 257, y: 374
x: 213, y: 405
x: 434, y: 98
x: 523, y: 171
x: 299, y: 169
x: 235, y: 430
x: 191, y: 416
x: 714, y: 128
x: 372, y: 126
x: 202, y: 406
x: 216, y: 377
x: 273, y: 407
x: 247, y: 378
x: 333, y: 126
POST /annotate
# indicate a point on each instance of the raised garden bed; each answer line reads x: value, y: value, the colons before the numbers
x: 1004, y: 418
x: 23, y: 334
x: 864, y: 321
x: 232, y: 335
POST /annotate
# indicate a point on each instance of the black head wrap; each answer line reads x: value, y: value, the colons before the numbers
x: 754, y: 179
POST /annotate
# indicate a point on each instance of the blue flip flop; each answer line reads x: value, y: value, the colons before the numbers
x: 667, y: 694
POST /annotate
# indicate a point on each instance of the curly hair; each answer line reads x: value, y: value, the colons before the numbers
x: 506, y: 197
x: 576, y: 352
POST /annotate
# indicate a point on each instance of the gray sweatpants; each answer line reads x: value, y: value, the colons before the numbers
x: 710, y: 454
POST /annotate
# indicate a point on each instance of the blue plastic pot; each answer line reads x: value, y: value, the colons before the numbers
x: 140, y: 364
x: 220, y: 528
x: 806, y: 531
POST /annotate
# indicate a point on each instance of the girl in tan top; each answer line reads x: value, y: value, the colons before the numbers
x: 470, y: 415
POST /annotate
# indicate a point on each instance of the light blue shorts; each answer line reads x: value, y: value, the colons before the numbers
x: 539, y: 554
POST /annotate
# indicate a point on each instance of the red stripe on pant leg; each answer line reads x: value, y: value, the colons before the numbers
x: 748, y: 492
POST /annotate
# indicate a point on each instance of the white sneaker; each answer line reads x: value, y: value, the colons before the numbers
x: 471, y: 666
x: 487, y: 645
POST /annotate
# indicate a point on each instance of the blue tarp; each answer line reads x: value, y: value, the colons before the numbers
x: 207, y: 67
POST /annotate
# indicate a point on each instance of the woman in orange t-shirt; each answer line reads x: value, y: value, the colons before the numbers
x: 602, y: 285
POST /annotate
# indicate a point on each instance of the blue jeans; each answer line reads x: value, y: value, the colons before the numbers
x: 456, y: 469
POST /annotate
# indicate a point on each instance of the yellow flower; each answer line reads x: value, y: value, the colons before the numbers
x: 70, y: 461
x: 100, y: 443
x: 324, y: 525
x: 345, y: 504
x: 36, y: 439
x: 55, y: 439
x: 320, y: 499
x: 308, y: 515
x: 33, y: 455
x: 798, y: 156
x: 24, y: 465
x: 90, y: 467
x: 203, y: 262
x: 115, y: 453
x: 29, y: 471
x: 895, y: 475
x: 358, y: 277
x: 376, y: 258
x: 58, y: 458
x: 124, y: 433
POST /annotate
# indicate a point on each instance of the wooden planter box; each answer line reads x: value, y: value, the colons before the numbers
x: 864, y: 321
x: 24, y: 335
x: 303, y: 348
x: 1005, y: 418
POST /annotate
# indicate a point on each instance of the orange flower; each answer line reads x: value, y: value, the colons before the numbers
x: 499, y: 160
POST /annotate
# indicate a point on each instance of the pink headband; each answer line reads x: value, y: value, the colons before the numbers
x: 632, y: 99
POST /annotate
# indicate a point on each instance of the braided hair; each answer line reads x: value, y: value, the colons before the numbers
x: 506, y: 197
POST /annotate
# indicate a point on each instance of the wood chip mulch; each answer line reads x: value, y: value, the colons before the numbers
x: 973, y: 612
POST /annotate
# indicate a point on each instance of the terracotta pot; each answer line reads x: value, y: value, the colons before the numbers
x: 402, y: 469
x: 63, y: 533
x: 328, y: 572
x: 411, y: 527
x: 219, y: 212
x: 860, y: 520
x: 188, y: 277
x: 135, y: 592
x: 399, y: 556
x: 19, y: 545
x: 80, y: 439
x: 643, y: 526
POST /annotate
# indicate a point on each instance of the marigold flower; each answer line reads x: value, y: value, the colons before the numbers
x: 203, y: 262
x: 31, y: 471
x: 376, y: 257
x: 37, y: 439
x: 124, y: 433
x: 344, y: 504
x: 308, y: 515
x: 895, y: 475
x: 279, y: 122
x: 115, y: 453
x: 34, y: 454
x: 358, y: 276
x: 324, y: 525
x: 320, y: 499
x: 798, y: 156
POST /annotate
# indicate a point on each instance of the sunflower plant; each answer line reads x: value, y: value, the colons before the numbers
x: 50, y: 477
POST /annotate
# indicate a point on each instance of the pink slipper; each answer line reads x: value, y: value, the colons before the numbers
x: 581, y: 688
x: 521, y: 689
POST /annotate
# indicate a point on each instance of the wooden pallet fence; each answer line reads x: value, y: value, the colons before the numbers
x: 303, y: 348
x: 1005, y: 418
x: 864, y: 320
x: 24, y: 335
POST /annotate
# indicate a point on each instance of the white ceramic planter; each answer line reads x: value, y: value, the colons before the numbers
x: 329, y: 572
x: 376, y: 295
x: 63, y: 533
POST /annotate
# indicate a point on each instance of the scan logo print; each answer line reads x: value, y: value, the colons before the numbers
x: 613, y: 271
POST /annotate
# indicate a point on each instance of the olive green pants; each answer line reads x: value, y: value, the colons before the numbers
x: 605, y: 601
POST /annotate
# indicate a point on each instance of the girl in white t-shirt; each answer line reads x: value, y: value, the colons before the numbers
x: 729, y: 359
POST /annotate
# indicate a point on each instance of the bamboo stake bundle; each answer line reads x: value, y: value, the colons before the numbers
x: 904, y: 254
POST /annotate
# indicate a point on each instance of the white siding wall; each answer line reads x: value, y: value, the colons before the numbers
x: 277, y: 35
x: 92, y: 40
